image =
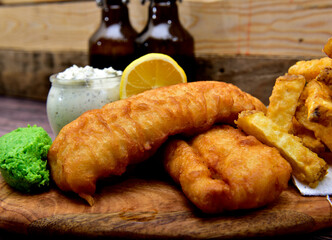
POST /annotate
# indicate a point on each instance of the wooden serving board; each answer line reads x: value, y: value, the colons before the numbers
x: 146, y: 203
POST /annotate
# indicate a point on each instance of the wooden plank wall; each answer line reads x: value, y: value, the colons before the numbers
x: 237, y: 41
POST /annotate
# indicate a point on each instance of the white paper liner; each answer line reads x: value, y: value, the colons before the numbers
x: 324, y: 187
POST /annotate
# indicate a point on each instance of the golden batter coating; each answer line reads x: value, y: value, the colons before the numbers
x: 223, y: 169
x: 104, y: 142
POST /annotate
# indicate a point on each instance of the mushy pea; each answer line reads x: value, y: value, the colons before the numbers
x: 23, y: 158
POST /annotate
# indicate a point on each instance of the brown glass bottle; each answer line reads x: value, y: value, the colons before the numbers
x: 164, y: 33
x: 113, y: 43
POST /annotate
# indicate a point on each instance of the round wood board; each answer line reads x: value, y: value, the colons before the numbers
x: 146, y: 203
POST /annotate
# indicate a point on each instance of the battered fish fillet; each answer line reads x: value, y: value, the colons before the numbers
x: 104, y: 142
x: 223, y: 169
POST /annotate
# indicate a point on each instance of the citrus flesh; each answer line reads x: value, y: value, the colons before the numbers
x: 150, y: 71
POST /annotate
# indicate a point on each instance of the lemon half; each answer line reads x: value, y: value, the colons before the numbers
x: 150, y: 71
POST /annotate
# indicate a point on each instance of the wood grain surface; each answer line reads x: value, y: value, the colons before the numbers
x: 27, y: 75
x: 11, y: 2
x: 236, y: 41
x: 224, y: 27
x: 18, y: 112
x: 143, y: 203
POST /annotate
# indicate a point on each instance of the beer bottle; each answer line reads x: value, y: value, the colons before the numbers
x: 164, y: 33
x: 113, y: 43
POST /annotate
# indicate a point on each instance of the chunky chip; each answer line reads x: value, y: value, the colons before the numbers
x: 322, y: 128
x: 308, y: 137
x: 311, y: 68
x: 325, y: 76
x: 307, y: 166
x: 328, y: 48
x: 318, y: 102
x: 283, y: 101
x: 324, y: 133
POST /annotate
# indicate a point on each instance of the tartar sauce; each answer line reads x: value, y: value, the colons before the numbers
x: 78, y: 89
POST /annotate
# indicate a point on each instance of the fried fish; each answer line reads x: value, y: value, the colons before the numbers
x: 103, y: 142
x: 224, y: 169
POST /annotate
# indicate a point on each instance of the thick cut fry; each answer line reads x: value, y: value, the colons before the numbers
x: 328, y: 48
x: 325, y: 76
x: 324, y: 133
x: 308, y: 137
x: 311, y: 68
x: 283, y: 101
x: 104, y: 142
x: 318, y: 102
x: 307, y: 166
x: 223, y: 169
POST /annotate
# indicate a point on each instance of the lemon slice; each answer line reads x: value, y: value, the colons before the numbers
x: 150, y: 71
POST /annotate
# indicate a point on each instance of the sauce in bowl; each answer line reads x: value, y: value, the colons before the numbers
x: 77, y: 90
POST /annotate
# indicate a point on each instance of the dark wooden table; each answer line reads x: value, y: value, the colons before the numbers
x: 15, y: 112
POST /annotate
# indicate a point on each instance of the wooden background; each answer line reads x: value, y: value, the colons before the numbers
x: 246, y: 42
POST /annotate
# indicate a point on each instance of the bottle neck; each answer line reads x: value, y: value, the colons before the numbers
x: 163, y: 11
x: 114, y: 11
